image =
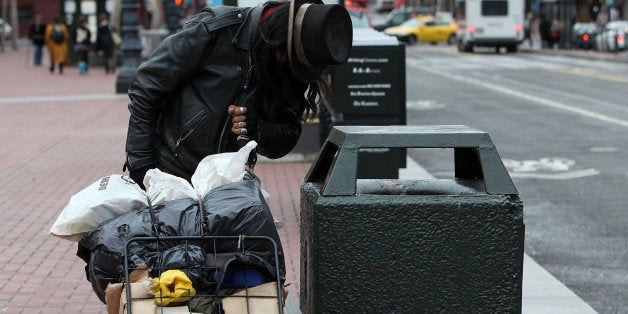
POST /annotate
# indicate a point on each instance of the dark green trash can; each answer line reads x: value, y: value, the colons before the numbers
x: 409, y: 246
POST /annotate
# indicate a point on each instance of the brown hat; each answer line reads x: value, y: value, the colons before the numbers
x: 318, y: 35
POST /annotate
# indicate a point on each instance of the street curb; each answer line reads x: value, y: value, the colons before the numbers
x: 621, y: 57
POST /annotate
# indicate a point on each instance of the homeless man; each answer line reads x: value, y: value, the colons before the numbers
x: 230, y: 72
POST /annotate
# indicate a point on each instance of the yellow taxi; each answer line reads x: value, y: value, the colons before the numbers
x: 425, y: 29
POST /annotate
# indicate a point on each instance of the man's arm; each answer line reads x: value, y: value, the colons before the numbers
x: 172, y: 63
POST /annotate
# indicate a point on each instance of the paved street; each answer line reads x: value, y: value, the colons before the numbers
x: 559, y: 122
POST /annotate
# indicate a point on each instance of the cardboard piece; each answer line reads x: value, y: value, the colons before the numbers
x: 261, y: 299
x: 175, y: 310
x: 142, y: 298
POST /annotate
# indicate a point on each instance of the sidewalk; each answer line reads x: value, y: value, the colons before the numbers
x: 61, y: 133
x: 621, y: 56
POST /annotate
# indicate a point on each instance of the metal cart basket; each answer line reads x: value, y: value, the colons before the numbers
x: 244, y: 281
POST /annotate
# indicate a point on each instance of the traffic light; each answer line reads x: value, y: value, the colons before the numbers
x: 178, y: 2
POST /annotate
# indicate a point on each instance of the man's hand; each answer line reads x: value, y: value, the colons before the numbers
x: 240, y: 124
x: 138, y: 175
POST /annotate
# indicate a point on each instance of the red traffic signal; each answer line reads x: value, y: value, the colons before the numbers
x: 178, y: 2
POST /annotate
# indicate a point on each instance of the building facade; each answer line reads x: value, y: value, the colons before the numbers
x: 70, y: 9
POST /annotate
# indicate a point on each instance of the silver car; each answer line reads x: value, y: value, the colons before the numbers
x: 612, y: 37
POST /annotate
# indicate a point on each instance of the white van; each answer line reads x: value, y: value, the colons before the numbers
x: 489, y: 23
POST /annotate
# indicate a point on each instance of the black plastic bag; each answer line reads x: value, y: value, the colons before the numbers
x: 233, y: 209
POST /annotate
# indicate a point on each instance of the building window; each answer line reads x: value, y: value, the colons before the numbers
x: 494, y: 8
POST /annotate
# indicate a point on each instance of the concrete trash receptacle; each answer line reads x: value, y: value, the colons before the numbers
x: 408, y: 246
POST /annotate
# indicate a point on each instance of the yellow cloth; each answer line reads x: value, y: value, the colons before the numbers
x: 172, y: 286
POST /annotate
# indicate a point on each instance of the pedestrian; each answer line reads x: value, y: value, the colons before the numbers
x: 36, y: 34
x: 56, y: 39
x: 527, y: 28
x: 82, y: 37
x: 614, y: 13
x: 255, y: 71
x: 105, y: 43
x: 546, y: 32
x: 595, y: 10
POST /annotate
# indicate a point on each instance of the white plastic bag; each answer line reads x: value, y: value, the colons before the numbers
x: 219, y: 169
x: 106, y: 198
x: 161, y: 187
x: 212, y: 172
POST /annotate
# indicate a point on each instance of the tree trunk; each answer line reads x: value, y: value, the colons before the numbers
x: 158, y: 14
x: 156, y: 8
x: 115, y: 19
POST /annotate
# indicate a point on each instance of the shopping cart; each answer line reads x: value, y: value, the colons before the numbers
x: 243, y: 281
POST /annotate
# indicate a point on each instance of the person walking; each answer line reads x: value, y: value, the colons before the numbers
x: 546, y: 32
x: 56, y: 39
x: 82, y: 37
x: 36, y: 34
x: 527, y: 28
x: 105, y: 43
x: 233, y: 72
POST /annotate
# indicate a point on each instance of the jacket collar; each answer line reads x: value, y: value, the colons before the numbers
x: 248, y: 31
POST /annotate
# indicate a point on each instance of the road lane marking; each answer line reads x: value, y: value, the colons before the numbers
x: 604, y: 149
x: 35, y: 99
x: 424, y: 105
x: 515, y: 93
x: 556, y: 176
x: 551, y: 168
x: 581, y: 72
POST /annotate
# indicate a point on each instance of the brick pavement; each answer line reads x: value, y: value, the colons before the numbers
x: 58, y: 134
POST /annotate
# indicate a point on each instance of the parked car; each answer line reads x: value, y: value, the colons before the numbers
x: 612, y: 37
x: 398, y: 16
x: 421, y: 29
x: 6, y: 28
x: 583, y: 35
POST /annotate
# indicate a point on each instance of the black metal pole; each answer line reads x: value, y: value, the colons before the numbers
x: 565, y: 9
x: 131, y: 44
x: 172, y: 16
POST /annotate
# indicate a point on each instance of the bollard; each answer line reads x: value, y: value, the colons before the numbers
x: 409, y: 246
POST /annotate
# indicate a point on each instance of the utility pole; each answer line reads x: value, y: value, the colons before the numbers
x: 565, y: 10
x: 15, y: 23
x: 172, y: 16
x: 4, y: 18
x: 131, y: 44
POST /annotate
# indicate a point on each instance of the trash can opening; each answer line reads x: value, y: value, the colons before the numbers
x: 419, y: 187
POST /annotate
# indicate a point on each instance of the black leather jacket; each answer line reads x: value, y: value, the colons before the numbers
x: 179, y: 97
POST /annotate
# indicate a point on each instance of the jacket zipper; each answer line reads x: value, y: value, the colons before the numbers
x: 247, y: 78
x: 186, y: 132
x: 249, y: 71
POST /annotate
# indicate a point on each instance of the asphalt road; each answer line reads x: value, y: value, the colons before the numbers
x: 561, y: 126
